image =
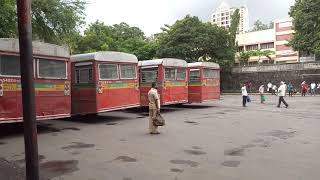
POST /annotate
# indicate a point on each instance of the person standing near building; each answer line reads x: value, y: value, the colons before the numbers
x: 274, y: 89
x: 290, y: 89
x: 261, y: 92
x: 313, y: 89
x: 304, y: 88
x: 244, y: 95
x: 270, y: 87
x: 282, y: 94
x: 154, y: 108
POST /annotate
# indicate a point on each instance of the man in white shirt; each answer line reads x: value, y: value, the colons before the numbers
x: 244, y: 95
x: 154, y: 108
x: 270, y: 87
x: 261, y: 92
x: 313, y: 88
x: 282, y: 94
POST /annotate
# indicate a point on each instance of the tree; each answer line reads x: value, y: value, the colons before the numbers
x: 234, y: 28
x: 53, y: 21
x: 191, y: 40
x: 259, y: 26
x: 306, y: 18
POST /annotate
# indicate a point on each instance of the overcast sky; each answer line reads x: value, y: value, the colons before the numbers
x: 150, y: 15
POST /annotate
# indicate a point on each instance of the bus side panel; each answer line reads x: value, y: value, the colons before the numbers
x: 51, y: 101
x: 211, y: 90
x: 175, y: 92
x: 144, y: 95
x: 119, y: 95
x: 9, y: 109
x: 84, y: 99
x: 195, y: 92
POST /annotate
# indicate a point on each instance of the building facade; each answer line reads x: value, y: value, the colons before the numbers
x: 275, y: 40
x: 222, y: 17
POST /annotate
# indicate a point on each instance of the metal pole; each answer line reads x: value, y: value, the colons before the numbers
x: 28, y: 95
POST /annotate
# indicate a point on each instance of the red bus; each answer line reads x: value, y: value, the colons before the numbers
x: 204, y: 82
x: 52, y: 81
x: 170, y: 76
x: 104, y: 81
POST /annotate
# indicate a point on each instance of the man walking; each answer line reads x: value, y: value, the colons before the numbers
x: 282, y: 94
x: 270, y: 87
x: 154, y: 108
x: 261, y: 92
x: 290, y: 89
x: 244, y: 95
x: 313, y: 89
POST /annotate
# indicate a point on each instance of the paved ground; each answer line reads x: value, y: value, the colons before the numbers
x: 219, y: 140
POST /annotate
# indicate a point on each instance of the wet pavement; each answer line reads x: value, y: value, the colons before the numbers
x: 218, y: 140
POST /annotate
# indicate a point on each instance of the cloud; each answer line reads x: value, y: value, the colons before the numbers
x: 151, y: 15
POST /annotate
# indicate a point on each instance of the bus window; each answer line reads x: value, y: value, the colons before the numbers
x: 170, y: 74
x: 181, y: 74
x: 128, y: 71
x: 84, y: 75
x: 194, y: 75
x: 9, y: 65
x: 52, y: 69
x: 149, y: 75
x: 210, y: 73
x: 108, y: 72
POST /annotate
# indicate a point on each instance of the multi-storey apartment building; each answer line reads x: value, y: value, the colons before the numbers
x: 222, y: 17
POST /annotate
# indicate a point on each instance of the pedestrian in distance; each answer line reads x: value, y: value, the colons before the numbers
x: 290, y: 89
x: 154, y: 108
x: 261, y: 92
x: 282, y: 94
x: 244, y: 95
x: 269, y: 87
x: 274, y: 89
x: 313, y: 89
x: 304, y: 88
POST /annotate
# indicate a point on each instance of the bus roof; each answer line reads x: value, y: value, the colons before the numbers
x: 105, y: 56
x: 39, y: 48
x: 164, y: 62
x: 204, y: 64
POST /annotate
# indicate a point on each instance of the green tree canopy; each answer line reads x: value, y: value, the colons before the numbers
x: 307, y: 26
x: 53, y: 21
x: 191, y: 40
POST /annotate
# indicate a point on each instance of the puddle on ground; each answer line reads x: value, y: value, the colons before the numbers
x: 111, y: 124
x: 220, y: 113
x: 248, y: 146
x: 78, y: 145
x: 52, y: 169
x: 22, y: 161
x: 187, y: 162
x: 71, y: 128
x: 194, y: 152
x: 140, y: 117
x: 234, y: 152
x: 54, y: 134
x: 231, y: 163
x: 123, y: 140
x: 280, y: 134
x: 196, y: 147
x: 127, y: 178
x: 75, y: 153
x: 126, y: 159
x: 176, y: 170
x: 2, y: 143
x: 258, y: 140
x: 192, y: 122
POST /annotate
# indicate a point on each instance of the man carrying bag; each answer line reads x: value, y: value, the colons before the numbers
x: 155, y: 119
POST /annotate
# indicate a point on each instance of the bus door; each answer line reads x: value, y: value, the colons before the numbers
x: 195, y: 86
x: 211, y: 84
x: 148, y: 75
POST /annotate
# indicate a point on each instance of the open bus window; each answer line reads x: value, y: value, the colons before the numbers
x: 149, y: 75
x: 9, y: 65
x: 170, y: 74
x: 194, y: 75
x: 108, y: 71
x: 52, y: 69
x: 84, y: 75
x: 128, y: 71
x: 210, y: 73
x: 181, y: 74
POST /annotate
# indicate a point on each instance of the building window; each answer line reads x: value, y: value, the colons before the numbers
x: 267, y: 45
x: 213, y: 20
x: 222, y: 22
x: 252, y: 47
x: 240, y: 49
x: 213, y: 16
x: 223, y: 18
x: 222, y: 14
x: 227, y: 13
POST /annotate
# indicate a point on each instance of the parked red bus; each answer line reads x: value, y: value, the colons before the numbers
x: 204, y: 82
x: 104, y: 81
x: 170, y: 76
x: 52, y: 81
